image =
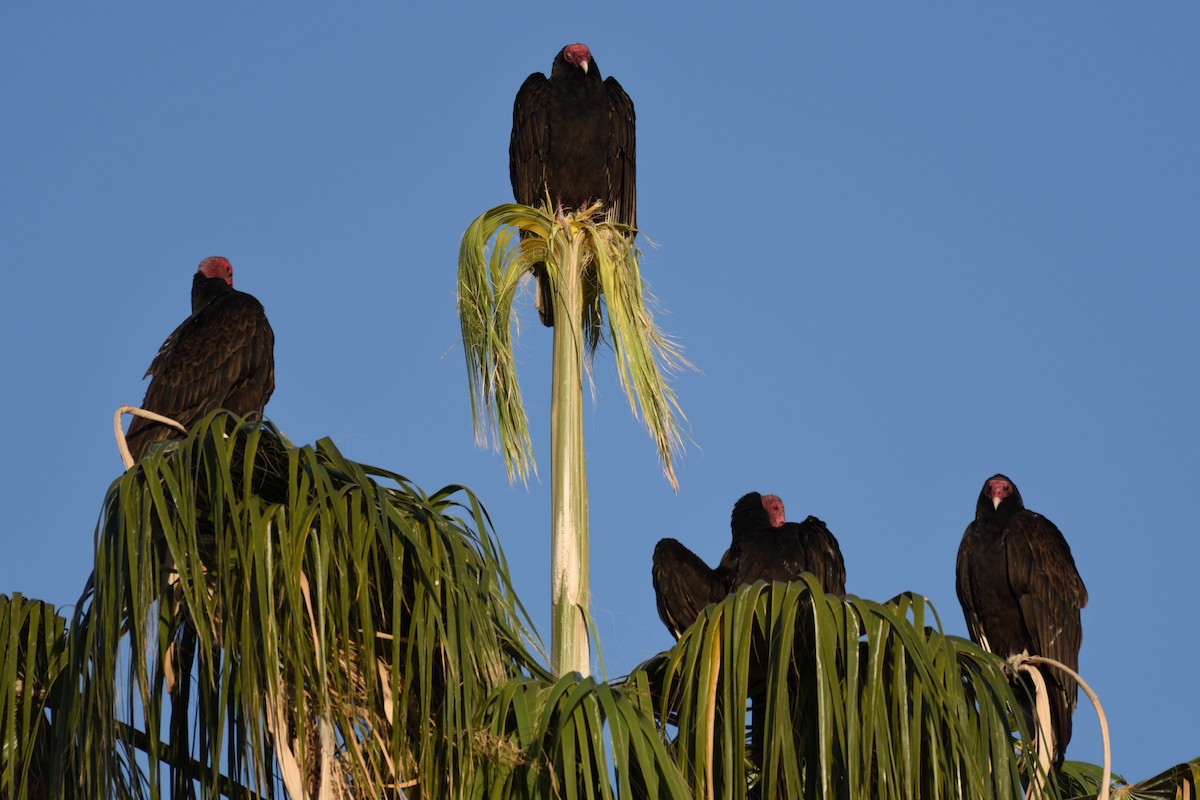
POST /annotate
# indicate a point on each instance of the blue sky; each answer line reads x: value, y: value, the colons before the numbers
x: 906, y: 249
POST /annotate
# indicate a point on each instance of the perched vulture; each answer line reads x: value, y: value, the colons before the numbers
x: 764, y: 547
x: 222, y: 356
x: 1020, y: 593
x: 573, y: 135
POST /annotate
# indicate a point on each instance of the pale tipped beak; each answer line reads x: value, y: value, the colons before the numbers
x: 583, y: 65
x: 996, y: 501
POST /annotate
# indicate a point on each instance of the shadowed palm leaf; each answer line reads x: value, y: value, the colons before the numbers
x: 32, y: 654
x: 343, y: 639
x: 850, y: 698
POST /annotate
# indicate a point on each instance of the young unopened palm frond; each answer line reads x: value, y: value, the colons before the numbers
x: 491, y: 264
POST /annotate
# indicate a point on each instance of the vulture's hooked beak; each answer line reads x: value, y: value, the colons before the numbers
x: 996, y: 501
x: 583, y: 65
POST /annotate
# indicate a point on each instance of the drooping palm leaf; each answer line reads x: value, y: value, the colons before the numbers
x: 850, y: 699
x: 491, y: 264
x: 32, y: 654
x: 576, y: 738
x: 342, y: 637
x: 1180, y: 782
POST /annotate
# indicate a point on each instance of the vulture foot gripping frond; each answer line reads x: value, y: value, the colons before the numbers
x: 122, y: 444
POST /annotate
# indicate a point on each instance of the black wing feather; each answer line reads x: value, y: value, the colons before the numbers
x: 683, y: 585
x: 963, y: 587
x: 1050, y: 593
x: 527, y: 147
x: 822, y: 555
x: 622, y: 154
x: 1043, y: 575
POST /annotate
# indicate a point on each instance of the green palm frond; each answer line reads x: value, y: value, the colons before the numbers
x: 32, y: 654
x: 574, y: 738
x: 266, y: 620
x: 487, y: 288
x: 1180, y: 782
x: 850, y: 699
x: 285, y: 613
x: 612, y: 305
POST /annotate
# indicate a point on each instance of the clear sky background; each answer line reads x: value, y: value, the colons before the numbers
x: 905, y: 248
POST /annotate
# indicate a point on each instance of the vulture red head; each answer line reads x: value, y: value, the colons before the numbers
x: 577, y: 55
x: 756, y: 512
x: 999, y: 488
x: 217, y: 267
x: 773, y: 505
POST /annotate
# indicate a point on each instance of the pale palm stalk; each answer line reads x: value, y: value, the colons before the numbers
x: 570, y: 563
x: 587, y: 258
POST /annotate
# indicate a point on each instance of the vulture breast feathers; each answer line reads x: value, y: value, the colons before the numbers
x: 222, y: 356
x: 1021, y: 593
x: 573, y: 136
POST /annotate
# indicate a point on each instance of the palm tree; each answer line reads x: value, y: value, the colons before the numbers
x: 266, y: 620
x: 594, y: 276
x: 285, y: 613
x: 294, y: 621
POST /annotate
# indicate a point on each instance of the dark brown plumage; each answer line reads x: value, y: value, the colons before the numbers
x: 222, y: 356
x: 684, y: 585
x: 1021, y: 593
x: 764, y: 547
x: 573, y: 134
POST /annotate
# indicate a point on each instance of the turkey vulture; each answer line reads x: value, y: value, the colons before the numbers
x: 1020, y: 593
x: 572, y: 135
x: 764, y: 547
x: 222, y: 356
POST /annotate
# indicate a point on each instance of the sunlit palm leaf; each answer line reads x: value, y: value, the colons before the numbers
x: 342, y: 630
x: 491, y: 263
x: 853, y: 699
